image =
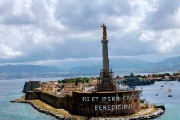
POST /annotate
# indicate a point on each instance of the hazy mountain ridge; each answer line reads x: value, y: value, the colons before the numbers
x: 135, y: 65
x: 170, y: 64
x: 117, y: 64
x: 28, y: 69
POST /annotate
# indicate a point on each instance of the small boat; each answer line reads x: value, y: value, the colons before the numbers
x: 162, y: 86
x: 169, y: 90
x: 12, y: 101
x: 169, y: 95
x: 156, y: 94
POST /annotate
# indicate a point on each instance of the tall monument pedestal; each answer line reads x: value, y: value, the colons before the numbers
x: 106, y: 82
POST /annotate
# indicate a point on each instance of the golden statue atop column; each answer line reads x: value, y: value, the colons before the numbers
x: 104, y: 37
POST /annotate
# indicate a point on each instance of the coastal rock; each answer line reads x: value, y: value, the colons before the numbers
x: 155, y: 114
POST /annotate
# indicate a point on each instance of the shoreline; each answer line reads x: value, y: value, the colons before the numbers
x: 150, y: 113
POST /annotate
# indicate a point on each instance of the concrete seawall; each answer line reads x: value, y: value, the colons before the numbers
x: 53, y: 100
x: 66, y: 103
x: 59, y: 115
x: 92, y: 104
x: 110, y: 103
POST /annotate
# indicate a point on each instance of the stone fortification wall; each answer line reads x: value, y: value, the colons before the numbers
x: 106, y: 103
x: 55, y: 101
x: 31, y: 85
x: 110, y: 103
x: 31, y: 95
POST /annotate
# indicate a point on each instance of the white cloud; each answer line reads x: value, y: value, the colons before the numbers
x: 147, y: 36
x: 165, y: 41
x: 61, y: 29
x: 7, y: 52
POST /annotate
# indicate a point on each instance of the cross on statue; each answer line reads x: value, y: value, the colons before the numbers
x: 104, y: 37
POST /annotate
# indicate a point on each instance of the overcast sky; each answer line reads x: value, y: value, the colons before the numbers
x: 53, y: 32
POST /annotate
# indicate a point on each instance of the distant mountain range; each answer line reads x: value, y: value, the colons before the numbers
x: 120, y: 65
x: 127, y: 65
x: 28, y: 69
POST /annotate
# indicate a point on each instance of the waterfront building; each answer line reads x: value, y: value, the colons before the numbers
x: 31, y: 85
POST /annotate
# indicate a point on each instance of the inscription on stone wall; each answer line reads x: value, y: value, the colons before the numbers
x: 107, y: 99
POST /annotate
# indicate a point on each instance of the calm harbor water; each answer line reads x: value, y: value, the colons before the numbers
x: 11, y: 89
x: 172, y: 104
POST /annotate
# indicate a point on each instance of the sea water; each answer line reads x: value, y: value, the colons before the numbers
x: 162, y: 89
x: 12, y: 89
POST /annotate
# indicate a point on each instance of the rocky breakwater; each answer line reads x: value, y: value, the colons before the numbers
x: 45, y: 111
x: 140, y: 117
x: 157, y: 111
x: 57, y: 115
x: 150, y: 116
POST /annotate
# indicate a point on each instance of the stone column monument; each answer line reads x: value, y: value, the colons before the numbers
x: 105, y: 49
x: 106, y: 81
